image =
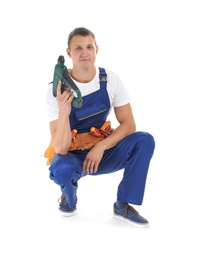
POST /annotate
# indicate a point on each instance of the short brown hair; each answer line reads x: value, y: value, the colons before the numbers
x: 80, y: 31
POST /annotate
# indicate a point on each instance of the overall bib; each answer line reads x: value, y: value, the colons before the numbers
x: 133, y: 153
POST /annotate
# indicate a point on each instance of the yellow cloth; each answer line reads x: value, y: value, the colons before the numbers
x: 49, y: 153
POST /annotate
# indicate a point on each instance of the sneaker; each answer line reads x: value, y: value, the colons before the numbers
x: 64, y: 208
x: 130, y: 215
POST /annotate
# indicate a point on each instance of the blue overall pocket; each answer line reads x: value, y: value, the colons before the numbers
x: 94, y: 108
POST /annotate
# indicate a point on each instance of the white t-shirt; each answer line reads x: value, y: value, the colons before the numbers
x: 117, y: 92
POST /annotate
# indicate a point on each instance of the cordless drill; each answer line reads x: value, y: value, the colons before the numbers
x: 61, y: 73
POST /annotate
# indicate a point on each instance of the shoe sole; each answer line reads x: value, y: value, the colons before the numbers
x: 67, y: 214
x: 134, y: 224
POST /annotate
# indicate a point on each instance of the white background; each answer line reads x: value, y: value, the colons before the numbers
x: 153, y: 46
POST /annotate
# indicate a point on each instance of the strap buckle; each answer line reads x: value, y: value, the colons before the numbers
x: 102, y: 75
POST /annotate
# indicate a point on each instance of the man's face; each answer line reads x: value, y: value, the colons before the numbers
x: 83, y: 51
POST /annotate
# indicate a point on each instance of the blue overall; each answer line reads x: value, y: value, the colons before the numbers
x: 133, y: 153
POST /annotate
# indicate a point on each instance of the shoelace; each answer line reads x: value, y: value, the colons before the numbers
x: 128, y: 207
x: 62, y: 200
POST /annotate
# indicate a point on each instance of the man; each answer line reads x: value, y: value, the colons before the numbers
x: 121, y: 148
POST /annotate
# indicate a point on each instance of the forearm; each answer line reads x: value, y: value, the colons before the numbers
x: 61, y: 137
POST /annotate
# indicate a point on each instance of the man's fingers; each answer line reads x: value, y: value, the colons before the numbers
x: 59, y: 88
x: 71, y: 96
x: 90, y: 167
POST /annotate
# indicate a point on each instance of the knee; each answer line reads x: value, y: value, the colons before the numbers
x: 61, y: 169
x: 143, y: 139
x: 148, y: 140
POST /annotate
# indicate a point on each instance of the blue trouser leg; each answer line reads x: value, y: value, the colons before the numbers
x: 66, y: 170
x: 133, y: 154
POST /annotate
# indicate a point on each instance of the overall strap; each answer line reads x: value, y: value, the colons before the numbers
x: 102, y: 77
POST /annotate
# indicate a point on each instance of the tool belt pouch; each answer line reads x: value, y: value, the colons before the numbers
x: 84, y: 141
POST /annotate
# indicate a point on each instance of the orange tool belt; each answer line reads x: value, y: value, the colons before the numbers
x: 82, y: 141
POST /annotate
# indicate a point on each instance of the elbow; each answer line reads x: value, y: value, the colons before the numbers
x: 60, y: 147
x: 132, y: 128
x: 61, y: 150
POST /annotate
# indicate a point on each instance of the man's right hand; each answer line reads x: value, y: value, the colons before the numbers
x: 64, y: 100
